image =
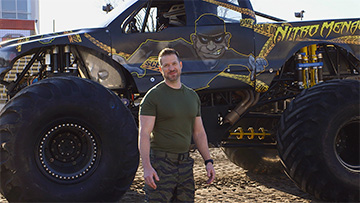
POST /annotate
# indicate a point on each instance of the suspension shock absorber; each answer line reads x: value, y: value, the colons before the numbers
x: 320, y: 67
x: 300, y: 71
x: 314, y: 79
x: 55, y: 59
x: 305, y: 72
x: 48, y: 61
x: 67, y: 58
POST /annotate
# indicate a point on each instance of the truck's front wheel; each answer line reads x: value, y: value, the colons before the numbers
x: 67, y: 139
x: 318, y: 140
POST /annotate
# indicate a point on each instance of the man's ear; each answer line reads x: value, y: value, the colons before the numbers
x: 160, y: 69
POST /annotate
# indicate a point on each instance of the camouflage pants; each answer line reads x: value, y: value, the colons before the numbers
x: 176, y: 180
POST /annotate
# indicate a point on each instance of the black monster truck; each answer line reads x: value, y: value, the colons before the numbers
x: 290, y: 90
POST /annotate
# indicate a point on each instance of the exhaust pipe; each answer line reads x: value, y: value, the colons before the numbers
x: 248, y: 100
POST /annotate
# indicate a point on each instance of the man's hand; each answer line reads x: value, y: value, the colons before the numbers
x: 210, y: 173
x: 145, y: 128
x: 201, y: 142
x: 149, y: 175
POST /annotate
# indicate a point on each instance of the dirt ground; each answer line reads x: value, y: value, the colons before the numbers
x: 232, y: 184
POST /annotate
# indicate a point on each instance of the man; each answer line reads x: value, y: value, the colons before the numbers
x: 169, y: 118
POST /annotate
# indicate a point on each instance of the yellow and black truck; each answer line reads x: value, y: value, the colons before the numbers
x: 271, y: 93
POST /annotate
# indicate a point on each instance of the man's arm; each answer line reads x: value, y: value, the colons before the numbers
x: 201, y: 142
x: 145, y: 128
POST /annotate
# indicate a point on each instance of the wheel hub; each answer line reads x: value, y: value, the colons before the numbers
x: 68, y: 151
x: 347, y: 146
x: 66, y: 147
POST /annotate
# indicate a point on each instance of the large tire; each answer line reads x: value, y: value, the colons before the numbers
x: 67, y: 139
x: 256, y: 160
x: 318, y: 140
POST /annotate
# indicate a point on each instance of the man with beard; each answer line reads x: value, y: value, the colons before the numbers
x: 169, y: 117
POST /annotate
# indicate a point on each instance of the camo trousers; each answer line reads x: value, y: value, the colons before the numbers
x: 176, y: 180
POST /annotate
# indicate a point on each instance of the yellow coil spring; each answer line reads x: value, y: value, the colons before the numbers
x: 239, y: 133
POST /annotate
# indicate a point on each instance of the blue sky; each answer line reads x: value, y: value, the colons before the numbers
x: 73, y: 14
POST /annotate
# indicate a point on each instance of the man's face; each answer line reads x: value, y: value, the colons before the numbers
x: 170, y: 67
x: 210, y: 47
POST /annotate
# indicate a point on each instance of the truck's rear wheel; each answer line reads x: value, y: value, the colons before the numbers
x: 255, y: 159
x: 67, y: 139
x: 318, y: 140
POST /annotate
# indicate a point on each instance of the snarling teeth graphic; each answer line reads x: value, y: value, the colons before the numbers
x: 217, y: 52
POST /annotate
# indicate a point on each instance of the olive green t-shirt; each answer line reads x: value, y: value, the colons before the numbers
x: 175, y: 111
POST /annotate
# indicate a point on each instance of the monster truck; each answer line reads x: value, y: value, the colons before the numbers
x: 287, y: 90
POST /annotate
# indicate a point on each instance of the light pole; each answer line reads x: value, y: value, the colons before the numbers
x: 108, y: 8
x: 300, y: 14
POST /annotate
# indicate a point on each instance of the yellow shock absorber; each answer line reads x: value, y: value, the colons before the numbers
x: 305, y: 59
x: 300, y: 71
x: 314, y: 79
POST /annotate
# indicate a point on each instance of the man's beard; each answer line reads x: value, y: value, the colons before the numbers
x: 172, y: 78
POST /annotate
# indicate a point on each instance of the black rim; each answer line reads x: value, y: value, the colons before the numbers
x: 68, y: 152
x: 347, y: 146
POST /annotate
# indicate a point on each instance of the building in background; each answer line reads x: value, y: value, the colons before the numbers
x: 18, y: 18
